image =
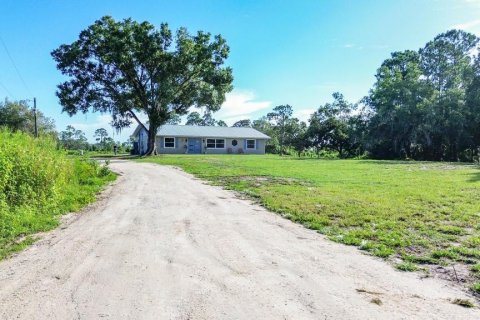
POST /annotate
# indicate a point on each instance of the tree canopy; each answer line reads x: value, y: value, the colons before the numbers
x: 125, y: 67
x: 424, y: 105
x: 18, y: 116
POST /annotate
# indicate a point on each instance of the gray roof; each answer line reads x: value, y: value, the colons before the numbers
x: 210, y: 132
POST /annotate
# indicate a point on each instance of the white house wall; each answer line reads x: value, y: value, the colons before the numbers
x: 182, y: 142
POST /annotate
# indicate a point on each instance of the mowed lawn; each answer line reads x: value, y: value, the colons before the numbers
x: 418, y: 214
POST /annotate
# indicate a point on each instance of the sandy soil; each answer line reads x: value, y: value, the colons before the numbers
x: 163, y: 245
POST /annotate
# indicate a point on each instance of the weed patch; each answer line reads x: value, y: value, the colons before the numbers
x: 464, y: 303
x: 476, y: 287
x: 37, y: 184
x: 406, y: 266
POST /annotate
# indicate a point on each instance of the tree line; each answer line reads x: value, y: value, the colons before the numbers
x: 424, y: 105
x: 18, y: 116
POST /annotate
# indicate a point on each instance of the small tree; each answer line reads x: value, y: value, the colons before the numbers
x: 125, y: 67
x: 280, y: 116
x: 265, y: 126
x: 329, y: 126
x: 73, y: 139
x: 100, y: 135
x: 295, y: 135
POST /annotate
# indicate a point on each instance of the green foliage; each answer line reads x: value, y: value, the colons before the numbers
x: 329, y: 127
x: 421, y: 212
x: 476, y: 269
x: 442, y: 253
x: 103, y: 140
x: 38, y: 183
x: 18, y: 116
x: 476, y: 287
x: 426, y: 103
x: 195, y: 119
x: 406, y: 266
x: 280, y: 117
x: 122, y: 67
x: 73, y: 139
x: 264, y: 126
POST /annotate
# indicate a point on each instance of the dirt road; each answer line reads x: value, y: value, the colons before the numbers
x: 163, y: 245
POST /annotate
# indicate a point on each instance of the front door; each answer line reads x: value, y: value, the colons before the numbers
x: 194, y: 145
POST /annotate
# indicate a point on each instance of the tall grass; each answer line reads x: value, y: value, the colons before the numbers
x: 37, y: 184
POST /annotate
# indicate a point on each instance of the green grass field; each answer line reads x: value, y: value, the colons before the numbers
x: 424, y: 213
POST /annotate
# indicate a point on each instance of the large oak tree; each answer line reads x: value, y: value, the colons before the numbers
x: 125, y: 67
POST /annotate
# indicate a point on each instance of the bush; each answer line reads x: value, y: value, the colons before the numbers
x: 38, y: 182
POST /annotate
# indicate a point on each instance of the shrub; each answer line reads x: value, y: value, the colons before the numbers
x: 38, y: 183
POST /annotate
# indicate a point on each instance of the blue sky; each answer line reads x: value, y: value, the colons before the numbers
x: 296, y: 52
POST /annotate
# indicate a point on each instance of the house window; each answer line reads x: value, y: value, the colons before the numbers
x: 216, y: 143
x: 234, y: 143
x: 169, y: 142
x: 251, y: 143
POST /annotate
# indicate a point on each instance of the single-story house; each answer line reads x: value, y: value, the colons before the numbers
x: 178, y: 139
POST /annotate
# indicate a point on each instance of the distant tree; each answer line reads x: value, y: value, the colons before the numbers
x: 125, y: 67
x: 447, y: 64
x: 280, y: 116
x: 174, y: 119
x: 296, y: 135
x: 400, y: 99
x: 100, y: 135
x: 208, y: 119
x: 73, y: 139
x: 221, y: 123
x: 265, y: 126
x: 194, y: 119
x: 473, y: 112
x: 109, y: 143
x: 17, y: 115
x: 328, y: 127
x: 243, y: 123
x: 126, y: 146
x: 358, y: 128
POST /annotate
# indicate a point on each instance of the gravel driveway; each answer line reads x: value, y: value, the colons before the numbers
x: 161, y: 244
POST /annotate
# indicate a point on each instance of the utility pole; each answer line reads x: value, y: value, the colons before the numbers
x: 35, y: 116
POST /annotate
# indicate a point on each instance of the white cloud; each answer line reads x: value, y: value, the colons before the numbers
x: 240, y: 105
x: 303, y: 114
x: 101, y: 121
x: 467, y: 25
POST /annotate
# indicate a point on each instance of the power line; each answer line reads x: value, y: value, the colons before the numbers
x: 15, y: 66
x: 6, y: 90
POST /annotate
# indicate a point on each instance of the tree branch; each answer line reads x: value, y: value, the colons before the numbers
x: 138, y: 120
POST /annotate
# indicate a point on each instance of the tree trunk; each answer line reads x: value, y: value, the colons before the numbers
x: 151, y: 146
